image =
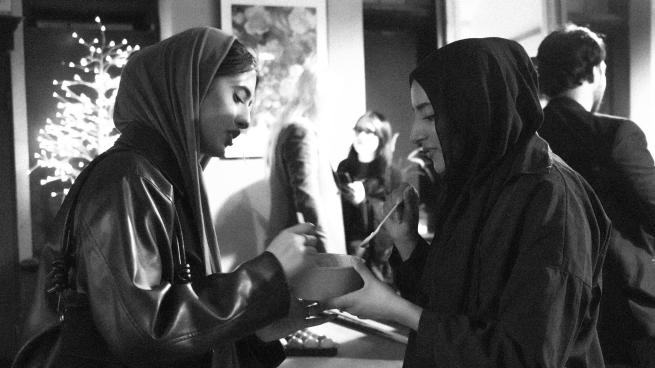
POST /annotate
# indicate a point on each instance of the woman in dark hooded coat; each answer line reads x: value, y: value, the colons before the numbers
x: 512, y: 278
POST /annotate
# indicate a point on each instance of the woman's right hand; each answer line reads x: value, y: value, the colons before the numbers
x: 294, y: 248
x: 402, y: 226
x: 354, y: 192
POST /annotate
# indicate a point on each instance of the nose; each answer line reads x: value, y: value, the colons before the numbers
x: 242, y: 120
x: 416, y: 134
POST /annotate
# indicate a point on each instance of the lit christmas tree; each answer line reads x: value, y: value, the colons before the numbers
x: 83, y: 126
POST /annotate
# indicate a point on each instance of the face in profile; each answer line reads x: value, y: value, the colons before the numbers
x: 225, y: 111
x: 424, y: 133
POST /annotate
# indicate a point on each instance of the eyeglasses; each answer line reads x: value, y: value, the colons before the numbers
x: 364, y: 130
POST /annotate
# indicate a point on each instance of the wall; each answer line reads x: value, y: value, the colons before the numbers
x: 642, y: 64
x: 9, y: 292
x: 524, y: 21
x: 177, y: 15
x: 390, y: 57
x: 237, y: 189
x: 21, y: 145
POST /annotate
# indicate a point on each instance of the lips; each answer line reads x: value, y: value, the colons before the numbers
x: 232, y: 134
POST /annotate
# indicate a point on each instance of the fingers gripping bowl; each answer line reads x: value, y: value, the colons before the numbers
x: 330, y: 275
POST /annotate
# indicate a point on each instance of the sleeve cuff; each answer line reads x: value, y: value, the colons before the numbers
x: 256, y: 353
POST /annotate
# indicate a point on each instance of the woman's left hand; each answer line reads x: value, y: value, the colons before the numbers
x: 302, y: 314
x: 365, y: 302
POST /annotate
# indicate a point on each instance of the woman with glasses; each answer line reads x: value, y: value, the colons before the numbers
x: 367, y: 177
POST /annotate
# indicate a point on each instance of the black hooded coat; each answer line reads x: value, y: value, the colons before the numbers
x: 512, y: 278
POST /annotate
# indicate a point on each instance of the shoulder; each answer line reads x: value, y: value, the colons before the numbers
x: 294, y: 134
x: 624, y: 132
x: 567, y: 222
x: 121, y: 173
x: 562, y: 179
x: 295, y: 128
x: 621, y: 126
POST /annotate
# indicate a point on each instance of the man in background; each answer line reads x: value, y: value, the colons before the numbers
x: 611, y: 154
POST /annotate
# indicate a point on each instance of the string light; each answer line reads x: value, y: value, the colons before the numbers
x: 83, y: 126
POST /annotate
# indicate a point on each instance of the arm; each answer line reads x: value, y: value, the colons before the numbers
x: 543, y: 309
x: 635, y: 163
x: 124, y: 235
x: 546, y: 308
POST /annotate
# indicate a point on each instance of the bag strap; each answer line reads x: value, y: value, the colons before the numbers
x: 181, y: 269
x: 57, y: 280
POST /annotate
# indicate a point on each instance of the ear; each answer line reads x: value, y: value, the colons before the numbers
x: 598, y: 72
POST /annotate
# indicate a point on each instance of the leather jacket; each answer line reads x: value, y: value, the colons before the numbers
x: 126, y: 308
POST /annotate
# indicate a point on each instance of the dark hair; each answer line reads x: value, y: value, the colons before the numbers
x: 567, y: 57
x: 238, y: 60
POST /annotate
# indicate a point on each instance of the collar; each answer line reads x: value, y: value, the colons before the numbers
x: 566, y: 102
x: 150, y: 144
x: 535, y: 157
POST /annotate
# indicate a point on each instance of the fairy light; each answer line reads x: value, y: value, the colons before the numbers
x: 83, y: 126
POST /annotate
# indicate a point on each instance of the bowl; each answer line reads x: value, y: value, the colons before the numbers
x: 330, y: 276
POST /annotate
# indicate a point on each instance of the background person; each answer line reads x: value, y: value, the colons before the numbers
x: 612, y: 154
x: 301, y: 178
x: 367, y: 177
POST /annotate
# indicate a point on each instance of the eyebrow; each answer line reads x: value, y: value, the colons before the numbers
x: 423, y: 106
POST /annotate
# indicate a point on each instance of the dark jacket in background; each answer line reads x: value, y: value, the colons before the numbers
x: 611, y: 153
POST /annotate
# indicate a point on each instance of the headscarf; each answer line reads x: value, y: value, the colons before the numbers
x: 161, y: 88
x: 487, y: 90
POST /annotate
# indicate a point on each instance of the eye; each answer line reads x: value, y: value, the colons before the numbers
x: 237, y: 98
x: 429, y: 117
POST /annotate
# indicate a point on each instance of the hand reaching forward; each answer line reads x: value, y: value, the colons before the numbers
x: 301, y: 315
x: 294, y: 248
x: 402, y: 226
x: 366, y: 302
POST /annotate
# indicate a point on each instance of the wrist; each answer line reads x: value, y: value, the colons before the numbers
x: 406, y: 245
x: 406, y: 313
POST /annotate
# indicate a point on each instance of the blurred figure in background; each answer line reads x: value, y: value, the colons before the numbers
x: 303, y: 186
x: 611, y: 153
x: 366, y: 178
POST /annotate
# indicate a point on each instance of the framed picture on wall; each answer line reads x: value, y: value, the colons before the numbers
x: 286, y: 36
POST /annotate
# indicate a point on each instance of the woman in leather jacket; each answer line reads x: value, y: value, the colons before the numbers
x: 136, y: 276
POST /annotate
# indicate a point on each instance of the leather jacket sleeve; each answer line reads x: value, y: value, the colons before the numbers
x: 124, y: 234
